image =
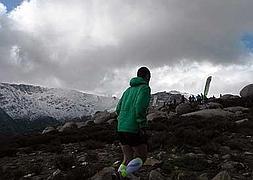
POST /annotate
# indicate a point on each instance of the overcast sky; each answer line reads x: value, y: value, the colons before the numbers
x: 96, y: 46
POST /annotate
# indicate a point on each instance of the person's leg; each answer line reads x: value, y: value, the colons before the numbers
x: 128, y: 156
x: 128, y: 153
x: 140, y: 153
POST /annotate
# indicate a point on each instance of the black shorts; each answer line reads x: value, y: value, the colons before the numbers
x: 132, y: 139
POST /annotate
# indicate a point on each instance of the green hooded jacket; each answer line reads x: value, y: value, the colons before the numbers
x: 133, y: 105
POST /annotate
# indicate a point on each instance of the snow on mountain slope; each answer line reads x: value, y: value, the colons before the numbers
x: 31, y: 102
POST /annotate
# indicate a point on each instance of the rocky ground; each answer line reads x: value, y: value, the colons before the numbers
x: 181, y: 147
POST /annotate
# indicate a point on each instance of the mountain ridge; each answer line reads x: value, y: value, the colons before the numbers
x: 31, y: 102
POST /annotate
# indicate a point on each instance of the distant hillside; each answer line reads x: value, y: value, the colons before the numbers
x: 159, y: 98
x: 22, y: 101
x: 7, y: 124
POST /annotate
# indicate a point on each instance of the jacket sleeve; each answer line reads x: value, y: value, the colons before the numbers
x: 119, y: 105
x: 142, y: 104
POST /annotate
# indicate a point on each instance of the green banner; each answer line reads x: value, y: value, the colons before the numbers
x: 208, y: 81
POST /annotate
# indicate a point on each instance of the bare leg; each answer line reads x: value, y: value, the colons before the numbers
x: 128, y: 154
x: 141, y: 151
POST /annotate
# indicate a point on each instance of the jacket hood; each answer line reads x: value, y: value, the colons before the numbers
x: 136, y: 81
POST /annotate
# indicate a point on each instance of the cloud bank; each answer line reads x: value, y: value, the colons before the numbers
x: 96, y: 46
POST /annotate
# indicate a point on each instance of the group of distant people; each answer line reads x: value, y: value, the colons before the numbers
x: 199, y: 98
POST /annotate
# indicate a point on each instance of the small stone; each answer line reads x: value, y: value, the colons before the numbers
x: 248, y: 153
x: 192, y: 155
x: 227, y: 156
x: 58, y: 171
x: 203, y: 177
x: 85, y: 163
x: 225, y: 149
x: 49, y: 130
x: 222, y: 176
x: 116, y: 163
x: 209, y: 161
x: 228, y: 165
x: 156, y: 175
x: 151, y: 162
x: 246, y: 174
x: 82, y: 159
x: 216, y: 156
x: 161, y: 154
x: 28, y: 175
x: 241, y: 121
x: 104, y: 174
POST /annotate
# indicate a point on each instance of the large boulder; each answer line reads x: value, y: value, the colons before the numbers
x: 89, y: 123
x: 157, y: 115
x: 183, y: 108
x: 80, y: 124
x: 49, y: 130
x: 68, y: 126
x: 104, y: 174
x: 236, y: 109
x: 103, y: 116
x: 210, y: 113
x: 156, y: 175
x: 222, y: 176
x: 229, y: 96
x: 210, y: 105
x: 247, y: 91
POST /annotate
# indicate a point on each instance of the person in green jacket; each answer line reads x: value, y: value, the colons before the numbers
x: 131, y: 111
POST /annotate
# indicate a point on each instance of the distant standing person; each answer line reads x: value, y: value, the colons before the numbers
x: 132, y: 122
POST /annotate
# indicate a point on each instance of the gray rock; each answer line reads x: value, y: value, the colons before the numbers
x: 82, y: 159
x: 222, y: 176
x: 156, y: 175
x: 56, y: 175
x: 241, y: 121
x: 49, y: 130
x: 186, y: 176
x: 224, y: 149
x: 229, y: 96
x: 58, y: 171
x: 211, y: 105
x: 59, y: 127
x: 101, y: 117
x: 151, y: 162
x: 210, y: 113
x: 104, y: 174
x: 227, y: 156
x: 183, y: 108
x: 203, y: 177
x: 67, y: 126
x: 229, y: 165
x: 89, y: 123
x: 156, y: 116
x: 236, y: 109
x: 247, y: 91
x: 110, y: 121
x: 80, y: 124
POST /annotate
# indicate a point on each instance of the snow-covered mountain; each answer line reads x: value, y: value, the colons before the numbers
x: 31, y: 102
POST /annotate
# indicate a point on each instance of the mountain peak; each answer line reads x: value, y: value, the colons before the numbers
x: 31, y: 102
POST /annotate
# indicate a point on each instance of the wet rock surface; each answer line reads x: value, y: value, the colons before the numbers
x: 193, y: 147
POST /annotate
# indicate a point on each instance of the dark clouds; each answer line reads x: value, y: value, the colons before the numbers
x: 83, y: 44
